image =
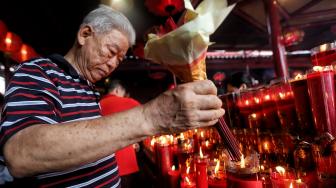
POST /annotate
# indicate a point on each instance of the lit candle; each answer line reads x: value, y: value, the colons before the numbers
x: 218, y: 179
x: 187, y: 183
x: 282, y: 178
x: 164, y: 156
x: 173, y: 177
x: 201, y: 170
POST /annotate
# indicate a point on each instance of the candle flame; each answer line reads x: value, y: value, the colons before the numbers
x: 281, y: 95
x: 266, y: 146
x: 291, y: 185
x: 242, y: 161
x: 8, y: 41
x: 257, y: 100
x: 254, y: 115
x: 201, y: 154
x: 153, y: 142
x: 173, y: 167
x: 182, y: 136
x: 247, y: 102
x: 202, y: 134
x: 188, y: 170
x: 299, y: 180
x: 195, y: 130
x: 318, y: 68
x: 217, y: 167
x: 163, y: 140
x: 298, y: 77
x: 207, y: 143
x: 262, y: 167
x: 267, y: 97
x: 281, y: 170
x: 171, y: 139
x: 187, y: 180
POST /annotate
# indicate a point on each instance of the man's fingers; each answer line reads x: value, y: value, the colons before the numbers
x: 202, y: 87
x: 206, y: 102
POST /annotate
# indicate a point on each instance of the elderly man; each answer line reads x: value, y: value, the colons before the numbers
x: 52, y: 130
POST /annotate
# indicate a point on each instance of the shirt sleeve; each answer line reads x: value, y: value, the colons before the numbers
x: 31, y: 98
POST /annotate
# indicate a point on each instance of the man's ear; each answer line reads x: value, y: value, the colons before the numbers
x: 84, y: 33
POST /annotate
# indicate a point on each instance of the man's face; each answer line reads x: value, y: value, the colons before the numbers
x: 101, y: 54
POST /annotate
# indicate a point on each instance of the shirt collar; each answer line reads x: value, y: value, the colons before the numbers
x: 64, y: 65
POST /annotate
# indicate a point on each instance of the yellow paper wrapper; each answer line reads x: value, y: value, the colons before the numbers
x: 183, y: 50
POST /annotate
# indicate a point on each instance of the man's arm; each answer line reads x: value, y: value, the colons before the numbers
x: 40, y: 148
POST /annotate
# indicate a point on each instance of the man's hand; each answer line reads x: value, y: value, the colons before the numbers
x: 188, y: 106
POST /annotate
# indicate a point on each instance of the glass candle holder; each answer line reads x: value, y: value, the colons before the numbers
x: 302, y: 104
x: 324, y: 54
x: 321, y: 90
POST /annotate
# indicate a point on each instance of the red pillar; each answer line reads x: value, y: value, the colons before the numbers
x: 274, y: 30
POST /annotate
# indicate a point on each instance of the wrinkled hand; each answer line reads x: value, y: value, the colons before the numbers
x: 188, y: 106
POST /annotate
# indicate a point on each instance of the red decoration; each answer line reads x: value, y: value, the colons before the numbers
x: 219, y: 76
x: 11, y: 43
x: 3, y: 30
x: 164, y: 7
x: 26, y: 52
x: 292, y: 37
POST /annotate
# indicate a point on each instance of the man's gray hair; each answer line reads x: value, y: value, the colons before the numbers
x: 104, y: 19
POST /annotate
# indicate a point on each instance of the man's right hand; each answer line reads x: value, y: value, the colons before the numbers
x: 188, y: 106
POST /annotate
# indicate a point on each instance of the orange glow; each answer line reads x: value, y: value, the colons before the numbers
x: 202, y: 134
x: 267, y: 97
x: 291, y: 185
x: 187, y: 180
x: 217, y: 167
x: 247, y: 102
x: 298, y: 77
x: 188, y: 170
x: 242, y: 162
x: 207, y: 143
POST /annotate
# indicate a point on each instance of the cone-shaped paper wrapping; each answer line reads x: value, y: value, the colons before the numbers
x: 183, y: 51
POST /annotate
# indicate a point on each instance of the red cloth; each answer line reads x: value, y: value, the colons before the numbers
x: 126, y: 157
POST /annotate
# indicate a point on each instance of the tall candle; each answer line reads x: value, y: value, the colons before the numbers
x: 302, y: 104
x: 322, y: 97
x: 201, y: 162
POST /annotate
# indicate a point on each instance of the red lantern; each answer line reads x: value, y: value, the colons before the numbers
x: 292, y: 37
x: 164, y: 7
x: 11, y: 43
x: 26, y: 52
x: 3, y: 30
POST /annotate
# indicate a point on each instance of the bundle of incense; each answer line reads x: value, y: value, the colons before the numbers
x: 229, y: 140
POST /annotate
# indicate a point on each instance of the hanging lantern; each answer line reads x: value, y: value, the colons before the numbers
x: 11, y: 43
x: 292, y: 37
x: 164, y: 7
x: 26, y: 52
x: 3, y: 30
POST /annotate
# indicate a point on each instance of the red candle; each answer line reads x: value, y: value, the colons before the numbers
x: 218, y: 178
x: 173, y: 177
x: 236, y: 182
x: 302, y: 104
x: 164, y: 157
x: 201, y: 170
x: 322, y: 97
x: 282, y: 178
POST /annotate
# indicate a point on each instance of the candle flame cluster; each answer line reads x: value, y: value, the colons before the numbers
x: 217, y: 166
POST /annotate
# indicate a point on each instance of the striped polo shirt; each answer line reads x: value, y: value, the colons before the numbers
x: 49, y: 91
